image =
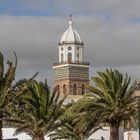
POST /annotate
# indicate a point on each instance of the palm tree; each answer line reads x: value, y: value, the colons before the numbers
x: 112, y: 96
x: 78, y: 125
x: 6, y: 79
x: 37, y: 112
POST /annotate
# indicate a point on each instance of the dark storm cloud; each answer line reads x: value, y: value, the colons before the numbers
x: 35, y: 40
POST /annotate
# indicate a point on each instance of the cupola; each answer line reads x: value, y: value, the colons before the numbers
x: 71, y: 46
x: 70, y: 35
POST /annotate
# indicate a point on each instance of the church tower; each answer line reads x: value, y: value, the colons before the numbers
x: 71, y: 73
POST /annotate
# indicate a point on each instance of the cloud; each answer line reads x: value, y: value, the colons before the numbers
x: 26, y: 3
x: 132, y: 70
x: 35, y: 40
x: 24, y: 7
x: 35, y: 4
x: 116, y: 10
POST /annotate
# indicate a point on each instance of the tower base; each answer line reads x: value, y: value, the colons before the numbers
x: 71, y: 78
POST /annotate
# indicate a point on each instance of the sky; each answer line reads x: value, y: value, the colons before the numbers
x: 110, y: 30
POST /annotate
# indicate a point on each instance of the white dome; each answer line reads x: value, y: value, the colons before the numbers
x: 70, y: 36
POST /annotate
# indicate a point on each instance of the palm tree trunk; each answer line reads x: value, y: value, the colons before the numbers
x: 114, y: 132
x: 38, y: 138
x: 1, y: 130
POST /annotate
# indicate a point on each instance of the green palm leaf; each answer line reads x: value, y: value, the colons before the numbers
x: 114, y: 98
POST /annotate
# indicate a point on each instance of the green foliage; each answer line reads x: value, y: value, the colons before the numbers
x: 6, y: 79
x: 33, y: 109
x: 114, y: 98
x: 37, y: 111
x: 78, y: 125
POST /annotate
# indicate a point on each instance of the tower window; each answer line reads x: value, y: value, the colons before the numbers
x: 64, y: 89
x: 78, y: 48
x: 58, y: 88
x: 62, y: 59
x: 69, y: 48
x: 69, y: 57
x: 77, y: 56
x: 74, y: 89
x: 83, y: 89
x: 61, y: 48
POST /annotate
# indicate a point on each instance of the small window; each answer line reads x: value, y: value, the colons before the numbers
x: 77, y: 48
x: 64, y: 89
x: 74, y: 89
x: 69, y: 57
x: 61, y: 48
x: 58, y: 88
x: 69, y: 48
x: 83, y: 89
x: 77, y: 56
x: 62, y: 59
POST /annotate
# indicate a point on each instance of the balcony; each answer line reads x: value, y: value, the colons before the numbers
x: 72, y: 62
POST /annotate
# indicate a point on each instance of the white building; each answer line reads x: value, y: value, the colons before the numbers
x: 99, y: 135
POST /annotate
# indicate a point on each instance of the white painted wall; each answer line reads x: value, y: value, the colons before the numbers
x: 134, y: 133
x: 8, y: 133
x: 74, y: 52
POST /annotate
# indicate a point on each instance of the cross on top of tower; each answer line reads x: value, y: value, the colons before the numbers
x: 70, y: 21
x: 70, y: 17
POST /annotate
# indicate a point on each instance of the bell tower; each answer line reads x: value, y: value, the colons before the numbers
x: 71, y: 73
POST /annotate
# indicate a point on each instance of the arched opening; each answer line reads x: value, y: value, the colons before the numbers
x: 58, y: 88
x: 74, y: 89
x: 69, y: 57
x: 83, y: 89
x: 78, y: 57
x: 62, y: 59
x: 64, y: 89
x: 69, y: 48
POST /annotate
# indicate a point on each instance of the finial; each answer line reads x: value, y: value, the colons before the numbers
x: 70, y: 21
x: 70, y: 17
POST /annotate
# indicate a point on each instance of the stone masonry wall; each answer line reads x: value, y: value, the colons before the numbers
x: 67, y: 87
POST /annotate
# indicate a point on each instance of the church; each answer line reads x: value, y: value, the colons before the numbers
x: 71, y: 73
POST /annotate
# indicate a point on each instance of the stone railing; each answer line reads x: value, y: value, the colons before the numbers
x: 72, y: 62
